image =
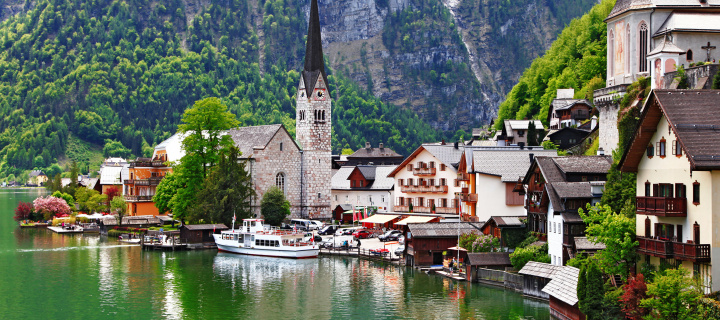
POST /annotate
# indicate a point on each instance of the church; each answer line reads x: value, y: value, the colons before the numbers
x: 301, y: 167
x: 652, y: 38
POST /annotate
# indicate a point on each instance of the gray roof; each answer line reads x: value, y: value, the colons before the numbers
x: 442, y: 229
x: 36, y: 173
x: 489, y: 259
x: 345, y: 206
x: 375, y: 153
x: 666, y: 46
x: 89, y: 183
x: 573, y: 190
x: 509, y: 165
x: 562, y: 104
x: 522, y: 125
x: 691, y: 22
x: 367, y: 171
x: 563, y: 285
x: 582, y: 243
x: 247, y: 138
x: 340, y: 180
x: 194, y: 227
x: 110, y: 175
x: 622, y: 6
x: 511, y: 221
x: 570, y: 217
x: 446, y: 154
x: 539, y: 269
x: 584, y: 164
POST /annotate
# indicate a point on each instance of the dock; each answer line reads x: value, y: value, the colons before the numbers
x: 361, y: 253
x: 172, y: 243
x: 66, y: 230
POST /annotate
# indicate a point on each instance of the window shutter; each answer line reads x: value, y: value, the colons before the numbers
x: 678, y: 147
x: 679, y: 233
x: 657, y: 230
x: 656, y: 190
x: 696, y: 233
x: 647, y: 227
x: 674, y: 147
x: 657, y: 148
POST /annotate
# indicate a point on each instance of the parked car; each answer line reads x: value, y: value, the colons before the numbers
x: 362, y: 234
x: 399, y: 251
x: 328, y: 230
x: 391, y: 235
x: 303, y: 224
x: 327, y: 243
x: 315, y: 238
x: 316, y: 225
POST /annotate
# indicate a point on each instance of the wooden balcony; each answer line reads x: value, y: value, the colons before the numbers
x: 424, y: 171
x: 446, y: 210
x: 424, y: 189
x: 144, y: 182
x: 534, y: 208
x: 145, y: 164
x: 691, y: 252
x: 138, y: 198
x: 655, y: 247
x: 468, y: 197
x: 662, y: 207
x: 463, y: 176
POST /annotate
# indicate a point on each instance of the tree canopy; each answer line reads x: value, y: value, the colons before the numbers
x: 274, y: 207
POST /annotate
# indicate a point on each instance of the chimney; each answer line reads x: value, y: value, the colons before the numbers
x: 456, y: 144
x: 593, y: 122
x: 601, y: 151
x: 442, y: 142
x: 367, y: 145
x: 532, y: 157
x: 382, y: 146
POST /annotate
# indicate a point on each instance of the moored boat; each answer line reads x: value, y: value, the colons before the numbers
x: 254, y: 238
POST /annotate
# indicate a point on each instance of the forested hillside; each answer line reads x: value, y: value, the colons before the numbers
x: 123, y: 71
x: 575, y: 60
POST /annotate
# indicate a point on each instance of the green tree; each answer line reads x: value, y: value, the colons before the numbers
x: 68, y: 198
x: 274, y: 207
x: 118, y: 206
x: 115, y: 148
x: 617, y: 232
x: 226, y: 192
x: 520, y: 257
x: 532, y: 135
x: 74, y: 172
x: 97, y: 202
x: 164, y: 193
x: 673, y: 295
x: 594, y: 292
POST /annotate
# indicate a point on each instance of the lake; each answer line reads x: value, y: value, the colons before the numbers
x: 51, y: 276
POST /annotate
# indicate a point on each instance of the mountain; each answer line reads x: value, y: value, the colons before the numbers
x: 120, y: 73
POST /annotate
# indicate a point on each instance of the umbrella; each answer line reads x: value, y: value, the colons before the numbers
x: 457, y: 248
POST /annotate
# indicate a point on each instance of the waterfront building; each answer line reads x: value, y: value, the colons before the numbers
x: 650, y: 38
x: 514, y: 132
x: 363, y: 186
x: 427, y: 180
x: 111, y: 174
x: 426, y: 242
x: 562, y: 290
x: 487, y: 177
x: 200, y: 233
x: 554, y: 189
x: 675, y: 155
x: 485, y: 260
x: 503, y: 228
x: 536, y: 275
x: 140, y: 184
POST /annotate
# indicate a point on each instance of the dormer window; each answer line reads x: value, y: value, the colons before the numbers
x: 521, y: 133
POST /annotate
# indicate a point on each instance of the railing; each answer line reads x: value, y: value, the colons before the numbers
x: 468, y: 197
x: 424, y: 189
x: 449, y: 210
x: 424, y: 171
x: 653, y: 247
x: 138, y: 198
x: 140, y: 164
x: 463, y: 176
x: 661, y: 206
x: 153, y: 181
x: 692, y: 252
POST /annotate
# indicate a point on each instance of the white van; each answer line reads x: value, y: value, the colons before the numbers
x: 303, y: 224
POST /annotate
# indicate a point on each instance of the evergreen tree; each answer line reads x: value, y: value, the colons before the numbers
x: 274, y: 207
x: 594, y: 292
x: 532, y: 136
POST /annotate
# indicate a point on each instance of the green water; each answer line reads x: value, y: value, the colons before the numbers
x: 44, y: 275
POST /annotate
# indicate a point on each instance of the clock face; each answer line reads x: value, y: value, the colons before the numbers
x: 320, y: 94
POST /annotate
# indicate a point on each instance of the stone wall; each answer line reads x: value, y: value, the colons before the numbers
x: 608, y: 135
x: 700, y: 77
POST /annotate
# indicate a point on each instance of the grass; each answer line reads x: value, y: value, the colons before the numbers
x: 82, y: 151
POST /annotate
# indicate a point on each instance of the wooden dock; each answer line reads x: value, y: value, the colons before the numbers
x: 361, y: 253
x: 64, y: 230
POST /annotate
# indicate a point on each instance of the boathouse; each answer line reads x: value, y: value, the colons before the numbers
x: 200, y: 233
x: 562, y: 290
x: 536, y: 275
x: 486, y: 260
x: 426, y: 242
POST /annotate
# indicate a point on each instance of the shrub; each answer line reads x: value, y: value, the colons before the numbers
x: 51, y: 206
x: 23, y: 211
x: 634, y: 292
x: 521, y: 256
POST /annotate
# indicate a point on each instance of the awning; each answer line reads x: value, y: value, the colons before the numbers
x: 379, y: 218
x: 415, y: 219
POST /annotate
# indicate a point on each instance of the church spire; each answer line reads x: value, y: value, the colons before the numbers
x: 314, y: 64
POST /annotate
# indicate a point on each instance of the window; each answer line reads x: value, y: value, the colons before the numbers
x: 319, y: 115
x: 318, y: 195
x: 410, y: 182
x: 442, y: 167
x: 666, y: 190
x: 443, y: 181
x: 696, y: 193
x: 280, y: 181
x: 650, y: 151
x: 431, y: 182
x: 664, y: 231
x: 421, y: 202
x: 383, y: 199
x: 660, y: 146
x: 680, y: 190
x: 689, y: 55
x: 676, y: 148
x: 521, y: 133
x: 432, y: 164
x: 409, y: 167
x: 444, y: 203
x: 281, y: 146
x: 302, y: 115
x: 400, y: 182
x: 643, y: 47
x: 647, y: 189
x: 647, y: 227
x: 335, y: 198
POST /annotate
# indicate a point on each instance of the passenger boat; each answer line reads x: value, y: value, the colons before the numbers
x: 254, y: 238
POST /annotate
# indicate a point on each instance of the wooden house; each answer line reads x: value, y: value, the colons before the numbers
x: 562, y: 290
x: 200, y: 233
x: 485, y: 260
x: 426, y: 242
x: 504, y: 228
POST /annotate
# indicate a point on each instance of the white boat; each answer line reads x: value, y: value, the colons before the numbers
x: 254, y: 238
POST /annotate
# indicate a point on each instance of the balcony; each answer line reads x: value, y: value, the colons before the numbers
x: 446, y: 210
x: 424, y: 171
x: 535, y: 208
x: 463, y: 176
x: 424, y: 189
x: 662, y: 207
x: 468, y: 197
x: 654, y: 247
x: 144, y: 164
x: 138, y: 198
x: 144, y: 182
x: 691, y: 252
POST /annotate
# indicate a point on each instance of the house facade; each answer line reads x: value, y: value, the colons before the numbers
x: 675, y: 154
x: 514, y: 132
x: 140, y: 185
x: 565, y: 111
x: 428, y: 179
x: 363, y: 186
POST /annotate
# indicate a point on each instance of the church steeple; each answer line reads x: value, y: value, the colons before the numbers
x: 314, y: 64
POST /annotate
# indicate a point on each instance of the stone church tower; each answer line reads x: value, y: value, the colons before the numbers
x: 313, y: 125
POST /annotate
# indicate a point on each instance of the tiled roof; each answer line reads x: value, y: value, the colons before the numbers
x: 584, y: 164
x: 195, y: 227
x: 442, y: 229
x: 539, y: 269
x: 666, y: 46
x: 110, y: 175
x: 573, y: 190
x: 569, y: 217
x: 509, y: 165
x: 89, y: 183
x: 246, y: 138
x: 622, y: 6
x: 489, y: 259
x: 340, y: 178
x: 345, y: 206
x: 563, y: 285
x: 522, y: 124
x: 690, y: 21
x: 374, y: 153
x: 567, y: 104
x: 582, y: 243
x: 367, y: 171
x: 549, y: 169
x: 507, y: 221
x: 447, y: 154
x: 381, y: 180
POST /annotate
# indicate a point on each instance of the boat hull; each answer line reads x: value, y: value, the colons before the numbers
x: 278, y: 252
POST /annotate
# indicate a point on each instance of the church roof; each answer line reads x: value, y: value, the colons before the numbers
x: 622, y: 6
x: 666, y: 46
x: 247, y: 138
x: 690, y: 22
x: 314, y: 63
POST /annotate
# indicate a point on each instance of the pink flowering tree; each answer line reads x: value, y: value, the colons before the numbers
x: 51, y: 206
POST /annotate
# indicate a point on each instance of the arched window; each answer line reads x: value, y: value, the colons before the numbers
x: 280, y: 181
x: 611, y: 53
x: 689, y: 55
x: 302, y: 114
x: 642, y: 47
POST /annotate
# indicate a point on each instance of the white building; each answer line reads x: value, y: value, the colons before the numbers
x: 363, y: 186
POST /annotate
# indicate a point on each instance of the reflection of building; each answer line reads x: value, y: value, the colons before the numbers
x: 674, y: 153
x: 363, y: 186
x: 649, y: 38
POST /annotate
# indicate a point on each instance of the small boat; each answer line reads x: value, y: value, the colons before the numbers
x: 254, y: 238
x: 129, y: 238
